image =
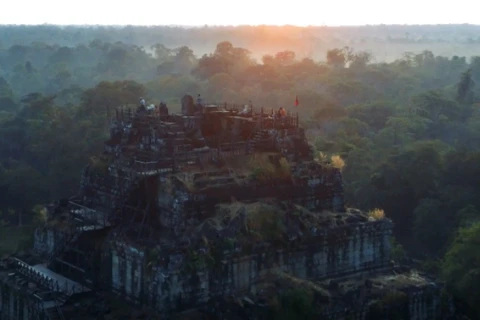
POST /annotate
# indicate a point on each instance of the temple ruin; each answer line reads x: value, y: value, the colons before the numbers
x: 198, y: 211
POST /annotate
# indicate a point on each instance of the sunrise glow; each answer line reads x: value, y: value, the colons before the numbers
x: 213, y: 12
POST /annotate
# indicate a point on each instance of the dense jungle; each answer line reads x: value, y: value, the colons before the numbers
x: 398, y: 106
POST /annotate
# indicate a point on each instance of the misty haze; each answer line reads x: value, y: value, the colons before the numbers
x: 249, y: 171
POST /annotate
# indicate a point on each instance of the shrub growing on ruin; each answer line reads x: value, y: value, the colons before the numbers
x: 264, y: 169
x: 398, y: 252
x: 40, y: 214
x: 284, y: 169
x: 393, y: 305
x: 266, y: 223
x: 377, y: 214
x: 99, y: 165
x: 294, y: 304
x: 337, y: 162
x: 322, y: 157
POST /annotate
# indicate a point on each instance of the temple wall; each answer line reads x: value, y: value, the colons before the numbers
x: 175, y: 280
x: 317, y: 192
x: 128, y: 271
x: 398, y: 299
x: 424, y: 304
x: 45, y: 240
x: 18, y: 305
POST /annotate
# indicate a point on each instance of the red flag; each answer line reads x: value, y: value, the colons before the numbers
x: 296, y: 101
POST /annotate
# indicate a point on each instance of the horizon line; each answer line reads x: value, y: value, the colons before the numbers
x: 187, y: 26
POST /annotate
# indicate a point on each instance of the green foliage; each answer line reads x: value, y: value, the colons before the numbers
x: 393, y: 305
x: 431, y: 266
x: 266, y: 224
x: 294, y: 304
x: 407, y: 129
x: 195, y: 262
x: 40, y: 215
x: 430, y: 226
x: 264, y: 169
x: 99, y: 165
x: 461, y: 269
x: 374, y: 114
x: 467, y: 216
x: 377, y: 214
x: 398, y: 252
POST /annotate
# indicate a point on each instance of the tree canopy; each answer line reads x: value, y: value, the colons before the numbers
x: 408, y: 130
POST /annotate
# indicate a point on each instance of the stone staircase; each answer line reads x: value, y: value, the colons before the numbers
x: 69, y: 240
x: 125, y: 192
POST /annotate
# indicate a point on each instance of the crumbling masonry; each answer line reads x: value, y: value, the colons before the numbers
x: 183, y: 211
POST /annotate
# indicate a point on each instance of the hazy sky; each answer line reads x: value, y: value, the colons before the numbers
x: 215, y: 12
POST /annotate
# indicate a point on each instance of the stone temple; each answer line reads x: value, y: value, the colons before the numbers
x: 213, y: 213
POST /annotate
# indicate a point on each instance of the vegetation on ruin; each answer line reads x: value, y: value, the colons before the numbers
x: 376, y: 214
x: 398, y: 252
x: 329, y: 162
x: 294, y: 304
x: 270, y: 223
x: 393, y: 305
x: 337, y: 162
x: 265, y: 223
x: 293, y: 298
x: 461, y: 268
x: 263, y: 168
x: 406, y: 123
x: 251, y: 223
x: 40, y: 215
x: 152, y: 256
x: 99, y: 164
x: 195, y: 262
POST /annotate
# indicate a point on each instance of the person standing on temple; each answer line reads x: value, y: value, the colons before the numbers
x: 199, y: 104
x: 163, y: 109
